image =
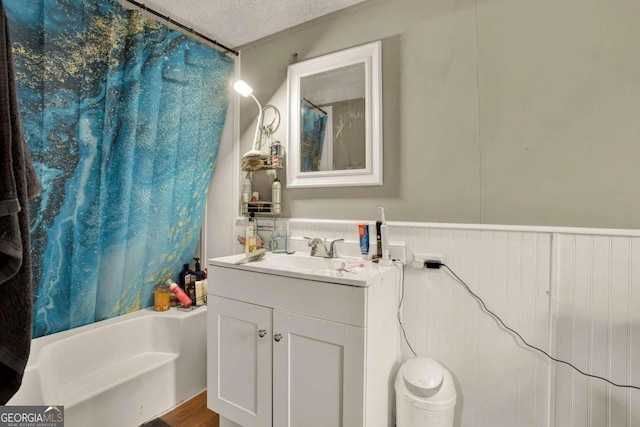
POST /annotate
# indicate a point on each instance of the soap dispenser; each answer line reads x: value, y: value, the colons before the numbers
x: 198, y: 271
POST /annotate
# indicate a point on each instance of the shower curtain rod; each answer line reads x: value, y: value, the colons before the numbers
x: 182, y: 26
x: 314, y: 105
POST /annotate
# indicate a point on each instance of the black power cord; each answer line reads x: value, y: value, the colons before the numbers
x: 400, y: 309
x: 438, y: 264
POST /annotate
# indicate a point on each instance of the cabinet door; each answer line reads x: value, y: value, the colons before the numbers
x: 318, y: 372
x: 239, y: 361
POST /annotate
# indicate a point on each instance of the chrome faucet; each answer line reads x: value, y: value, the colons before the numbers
x: 319, y: 247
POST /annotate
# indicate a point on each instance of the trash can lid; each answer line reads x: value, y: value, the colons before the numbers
x: 423, y: 376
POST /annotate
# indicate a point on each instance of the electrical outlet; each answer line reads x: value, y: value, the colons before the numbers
x: 420, y: 258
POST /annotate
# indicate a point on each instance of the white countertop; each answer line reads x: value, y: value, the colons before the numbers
x: 359, y: 272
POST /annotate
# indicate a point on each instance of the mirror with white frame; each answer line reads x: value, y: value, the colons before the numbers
x: 335, y: 119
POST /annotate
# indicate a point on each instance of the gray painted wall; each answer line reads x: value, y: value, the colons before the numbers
x: 495, y: 111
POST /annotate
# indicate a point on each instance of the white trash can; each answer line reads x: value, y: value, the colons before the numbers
x: 425, y: 394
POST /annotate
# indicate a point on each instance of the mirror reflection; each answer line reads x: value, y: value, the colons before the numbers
x: 332, y: 120
x: 335, y: 119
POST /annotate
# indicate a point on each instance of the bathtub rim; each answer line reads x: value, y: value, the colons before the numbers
x: 38, y: 344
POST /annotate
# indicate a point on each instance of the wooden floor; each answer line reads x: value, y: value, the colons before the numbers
x: 192, y: 413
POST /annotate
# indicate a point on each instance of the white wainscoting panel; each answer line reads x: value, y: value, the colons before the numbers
x: 499, y: 381
x: 572, y: 292
x: 597, y: 328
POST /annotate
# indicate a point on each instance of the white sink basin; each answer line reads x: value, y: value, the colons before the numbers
x: 305, y: 263
x: 344, y: 270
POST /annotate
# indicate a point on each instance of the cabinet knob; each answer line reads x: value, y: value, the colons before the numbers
x: 262, y: 333
x: 277, y: 337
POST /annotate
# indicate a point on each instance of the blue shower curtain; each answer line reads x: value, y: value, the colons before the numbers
x: 123, y: 118
x: 313, y: 126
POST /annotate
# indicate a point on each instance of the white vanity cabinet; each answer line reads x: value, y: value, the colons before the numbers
x: 300, y: 350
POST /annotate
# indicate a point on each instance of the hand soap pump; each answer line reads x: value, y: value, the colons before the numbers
x: 198, y: 272
x: 384, y: 237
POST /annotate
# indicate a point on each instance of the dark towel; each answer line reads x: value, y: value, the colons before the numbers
x: 18, y: 182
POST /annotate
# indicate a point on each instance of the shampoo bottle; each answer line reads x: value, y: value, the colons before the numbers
x: 276, y: 196
x: 185, y: 276
x: 199, y: 274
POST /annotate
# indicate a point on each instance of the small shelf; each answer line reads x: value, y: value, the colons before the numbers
x: 265, y: 162
x: 262, y: 208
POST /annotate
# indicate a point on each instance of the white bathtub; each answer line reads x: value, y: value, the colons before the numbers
x: 119, y: 372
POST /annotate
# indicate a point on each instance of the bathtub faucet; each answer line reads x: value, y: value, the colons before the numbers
x: 319, y: 247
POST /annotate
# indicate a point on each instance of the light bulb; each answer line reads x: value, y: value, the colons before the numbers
x: 242, y: 88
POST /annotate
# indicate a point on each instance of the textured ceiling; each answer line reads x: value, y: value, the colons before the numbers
x: 236, y: 23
